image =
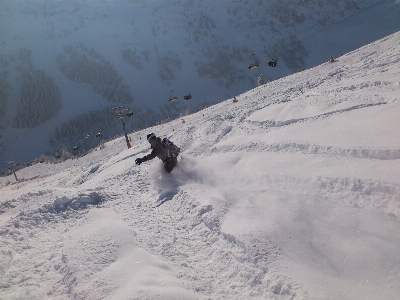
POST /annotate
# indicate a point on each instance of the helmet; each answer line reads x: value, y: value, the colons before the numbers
x: 151, y: 137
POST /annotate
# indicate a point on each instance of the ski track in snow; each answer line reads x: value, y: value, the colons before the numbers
x: 197, y: 228
x: 49, y: 240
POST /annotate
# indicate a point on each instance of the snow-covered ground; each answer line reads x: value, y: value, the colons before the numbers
x: 293, y: 192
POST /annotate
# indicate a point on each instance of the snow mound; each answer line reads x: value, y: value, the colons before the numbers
x: 79, y: 202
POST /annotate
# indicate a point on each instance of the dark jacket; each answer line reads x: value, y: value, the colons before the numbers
x: 159, y: 150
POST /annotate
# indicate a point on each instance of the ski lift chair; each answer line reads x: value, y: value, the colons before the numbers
x: 254, y: 62
x: 253, y: 65
x: 173, y: 97
x: 273, y: 62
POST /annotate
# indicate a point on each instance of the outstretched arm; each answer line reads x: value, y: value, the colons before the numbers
x: 150, y: 156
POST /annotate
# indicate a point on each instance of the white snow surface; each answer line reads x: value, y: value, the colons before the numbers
x: 293, y: 192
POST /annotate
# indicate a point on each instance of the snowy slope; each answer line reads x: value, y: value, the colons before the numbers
x: 293, y: 192
x: 211, y: 40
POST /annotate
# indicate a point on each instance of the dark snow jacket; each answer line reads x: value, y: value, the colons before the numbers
x: 159, y: 150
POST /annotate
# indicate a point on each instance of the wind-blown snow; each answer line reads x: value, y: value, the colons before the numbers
x: 293, y: 192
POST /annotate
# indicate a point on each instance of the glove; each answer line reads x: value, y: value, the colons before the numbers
x: 138, y: 161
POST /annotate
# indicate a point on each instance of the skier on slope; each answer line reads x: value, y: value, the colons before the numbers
x: 164, y: 150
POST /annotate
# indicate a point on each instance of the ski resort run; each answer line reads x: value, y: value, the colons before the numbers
x: 292, y: 192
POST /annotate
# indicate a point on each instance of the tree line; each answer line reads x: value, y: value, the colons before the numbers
x: 83, y: 65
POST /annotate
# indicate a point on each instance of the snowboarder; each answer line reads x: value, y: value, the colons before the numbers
x: 331, y: 59
x: 164, y: 149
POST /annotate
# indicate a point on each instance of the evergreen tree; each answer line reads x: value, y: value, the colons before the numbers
x: 260, y: 80
x: 4, y: 93
x: 40, y: 99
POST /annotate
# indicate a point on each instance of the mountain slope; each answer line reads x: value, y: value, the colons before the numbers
x: 292, y: 192
x: 132, y: 52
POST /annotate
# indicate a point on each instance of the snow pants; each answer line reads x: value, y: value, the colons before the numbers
x: 170, y: 164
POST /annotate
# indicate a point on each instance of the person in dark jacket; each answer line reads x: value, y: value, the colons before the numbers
x: 161, y: 151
